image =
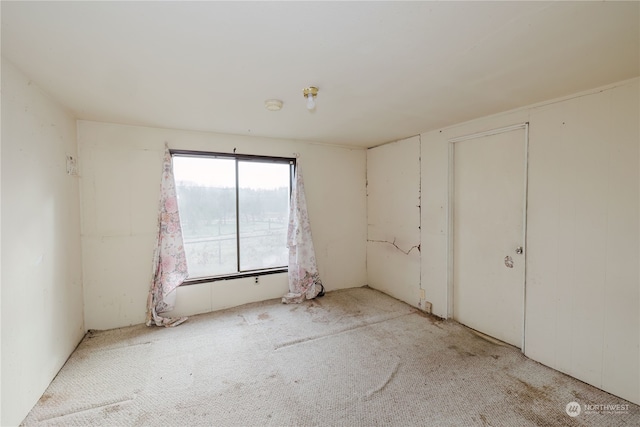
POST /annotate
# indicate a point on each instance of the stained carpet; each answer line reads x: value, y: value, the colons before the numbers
x: 355, y: 357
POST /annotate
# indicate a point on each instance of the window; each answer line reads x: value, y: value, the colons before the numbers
x: 234, y: 213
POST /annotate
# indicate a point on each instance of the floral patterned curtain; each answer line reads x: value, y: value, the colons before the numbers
x: 169, y: 259
x: 304, y: 279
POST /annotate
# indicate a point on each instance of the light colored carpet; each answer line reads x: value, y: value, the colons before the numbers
x: 352, y: 358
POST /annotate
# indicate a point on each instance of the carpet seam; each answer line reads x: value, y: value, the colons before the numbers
x: 342, y: 331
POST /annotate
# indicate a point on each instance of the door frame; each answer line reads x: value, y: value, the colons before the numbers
x: 451, y: 207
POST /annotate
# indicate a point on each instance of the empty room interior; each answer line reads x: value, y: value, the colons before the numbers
x: 468, y: 227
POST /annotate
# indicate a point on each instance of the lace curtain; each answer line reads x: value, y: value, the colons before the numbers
x: 169, y: 259
x: 304, y: 279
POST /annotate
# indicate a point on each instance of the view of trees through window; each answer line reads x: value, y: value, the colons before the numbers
x: 220, y: 239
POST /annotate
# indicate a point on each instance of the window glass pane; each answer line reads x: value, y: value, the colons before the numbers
x: 264, y: 209
x: 207, y: 204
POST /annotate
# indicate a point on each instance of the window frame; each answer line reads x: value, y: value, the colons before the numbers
x: 239, y: 157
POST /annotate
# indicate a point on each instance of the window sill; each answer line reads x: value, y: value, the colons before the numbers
x: 241, y: 275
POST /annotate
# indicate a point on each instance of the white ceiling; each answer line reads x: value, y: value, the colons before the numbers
x: 386, y: 70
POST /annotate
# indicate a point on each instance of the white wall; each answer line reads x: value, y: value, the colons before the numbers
x: 42, y: 314
x: 582, y: 280
x: 393, y: 218
x: 120, y: 181
x: 583, y: 284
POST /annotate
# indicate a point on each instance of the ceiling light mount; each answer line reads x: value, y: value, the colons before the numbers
x: 273, y: 104
x: 310, y: 94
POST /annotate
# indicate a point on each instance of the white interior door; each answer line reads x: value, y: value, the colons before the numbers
x: 489, y: 173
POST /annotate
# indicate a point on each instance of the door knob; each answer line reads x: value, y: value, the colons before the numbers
x: 519, y: 250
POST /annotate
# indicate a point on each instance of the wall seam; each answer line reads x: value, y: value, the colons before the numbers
x: 420, y: 219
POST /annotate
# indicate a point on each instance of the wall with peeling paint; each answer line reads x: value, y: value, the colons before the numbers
x: 42, y: 314
x: 582, y: 308
x: 121, y: 168
x: 393, y: 219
